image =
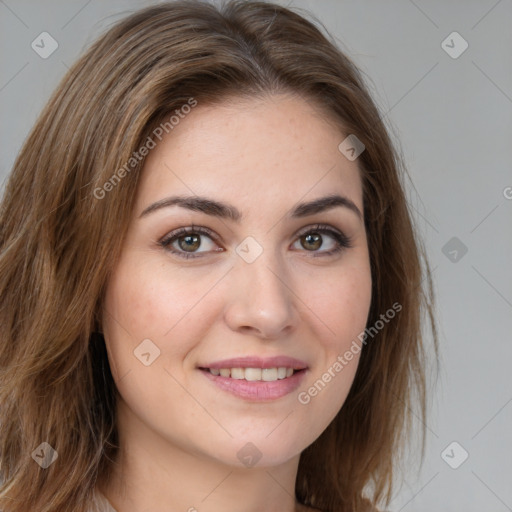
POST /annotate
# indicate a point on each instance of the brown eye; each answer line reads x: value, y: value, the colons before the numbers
x: 312, y: 242
x: 314, y: 238
x: 190, y: 242
x: 185, y: 242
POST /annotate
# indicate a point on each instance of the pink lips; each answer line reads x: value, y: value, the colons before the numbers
x: 257, y: 391
x: 258, y: 362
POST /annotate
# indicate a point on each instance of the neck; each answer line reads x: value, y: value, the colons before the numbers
x: 153, y: 473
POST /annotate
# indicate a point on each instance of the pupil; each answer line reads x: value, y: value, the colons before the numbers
x: 314, y: 239
x: 191, y: 241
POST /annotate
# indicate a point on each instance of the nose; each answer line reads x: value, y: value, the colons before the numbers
x: 262, y: 300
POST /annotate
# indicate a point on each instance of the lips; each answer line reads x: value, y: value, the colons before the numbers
x: 254, y: 374
x: 256, y: 362
x: 256, y: 378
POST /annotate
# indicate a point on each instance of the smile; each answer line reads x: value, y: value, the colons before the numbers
x: 256, y: 384
x: 254, y: 374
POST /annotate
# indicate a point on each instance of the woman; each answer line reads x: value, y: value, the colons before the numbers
x: 211, y: 285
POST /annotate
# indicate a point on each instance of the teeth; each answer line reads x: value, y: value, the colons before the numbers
x: 253, y: 374
x: 269, y: 374
x: 237, y: 373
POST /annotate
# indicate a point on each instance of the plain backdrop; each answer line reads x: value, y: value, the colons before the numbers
x: 449, y: 107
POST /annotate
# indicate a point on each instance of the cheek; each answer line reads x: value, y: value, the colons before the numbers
x: 342, y: 304
x: 144, y: 301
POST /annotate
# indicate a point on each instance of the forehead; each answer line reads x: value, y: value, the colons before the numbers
x: 270, y: 151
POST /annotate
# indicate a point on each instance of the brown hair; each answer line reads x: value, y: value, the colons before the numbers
x: 59, y: 243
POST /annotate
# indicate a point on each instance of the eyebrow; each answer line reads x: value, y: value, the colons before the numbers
x: 227, y: 211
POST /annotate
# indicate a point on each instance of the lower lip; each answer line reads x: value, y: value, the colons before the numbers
x: 259, y: 390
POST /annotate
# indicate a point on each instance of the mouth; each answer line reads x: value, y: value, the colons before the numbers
x: 254, y: 374
x: 256, y: 379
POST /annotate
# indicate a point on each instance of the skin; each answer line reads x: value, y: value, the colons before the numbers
x: 179, y: 433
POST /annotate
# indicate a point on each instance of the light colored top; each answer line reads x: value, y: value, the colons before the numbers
x: 100, y: 503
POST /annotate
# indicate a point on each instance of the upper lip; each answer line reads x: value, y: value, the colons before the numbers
x: 258, y: 362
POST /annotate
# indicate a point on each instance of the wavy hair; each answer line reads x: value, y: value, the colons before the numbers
x: 59, y: 243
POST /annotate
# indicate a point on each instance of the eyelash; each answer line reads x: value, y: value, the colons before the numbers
x: 343, y: 241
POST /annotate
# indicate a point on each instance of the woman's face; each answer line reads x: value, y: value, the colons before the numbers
x: 254, y: 279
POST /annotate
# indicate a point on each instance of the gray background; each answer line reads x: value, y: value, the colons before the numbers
x: 453, y: 120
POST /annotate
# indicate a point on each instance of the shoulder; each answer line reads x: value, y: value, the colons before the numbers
x: 100, y: 503
x: 309, y: 509
x: 367, y: 507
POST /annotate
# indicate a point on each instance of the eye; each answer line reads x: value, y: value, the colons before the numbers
x: 184, y: 242
x: 312, y: 239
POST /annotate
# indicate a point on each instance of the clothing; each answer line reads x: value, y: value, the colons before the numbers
x: 100, y: 503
